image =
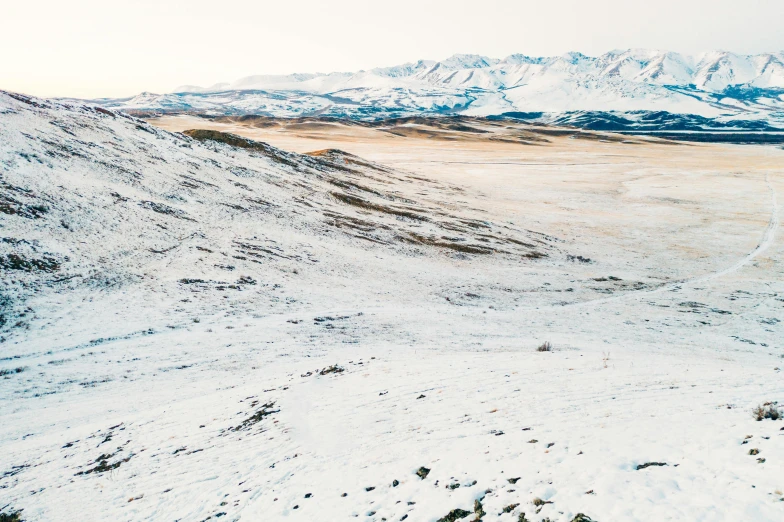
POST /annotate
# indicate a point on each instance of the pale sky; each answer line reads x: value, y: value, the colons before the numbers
x: 112, y: 48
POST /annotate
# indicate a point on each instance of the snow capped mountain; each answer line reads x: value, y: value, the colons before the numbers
x: 718, y: 85
x: 408, y: 69
x: 469, y: 61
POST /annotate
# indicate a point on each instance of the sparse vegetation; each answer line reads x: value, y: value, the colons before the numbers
x: 11, y: 516
x: 332, y: 369
x: 367, y: 205
x: 479, y: 511
x: 162, y: 208
x: 18, y: 262
x: 11, y: 371
x: 233, y: 140
x: 265, y: 410
x: 769, y: 410
x: 12, y: 206
x: 455, y: 514
x: 510, y: 508
x: 459, y: 247
x: 104, y: 465
x: 545, y: 347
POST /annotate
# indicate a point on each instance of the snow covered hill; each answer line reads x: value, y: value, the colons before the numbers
x: 200, y: 327
x: 717, y: 85
x: 144, y: 198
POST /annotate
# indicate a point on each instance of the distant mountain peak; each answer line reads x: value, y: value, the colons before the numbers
x: 469, y: 61
x: 573, y: 56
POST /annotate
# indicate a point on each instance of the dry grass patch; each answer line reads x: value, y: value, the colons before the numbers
x: 769, y: 410
x: 545, y: 347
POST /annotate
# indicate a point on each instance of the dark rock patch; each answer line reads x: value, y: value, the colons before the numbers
x: 649, y: 464
x: 264, y: 411
x: 455, y: 514
x: 423, y: 472
x: 24, y: 264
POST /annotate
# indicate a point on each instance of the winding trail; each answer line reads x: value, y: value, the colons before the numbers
x: 768, y: 238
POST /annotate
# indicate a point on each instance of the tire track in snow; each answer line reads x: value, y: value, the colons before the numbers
x: 768, y: 237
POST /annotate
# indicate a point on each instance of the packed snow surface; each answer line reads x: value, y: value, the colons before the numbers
x: 206, y: 327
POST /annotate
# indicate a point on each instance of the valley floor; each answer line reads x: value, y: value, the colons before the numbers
x: 368, y: 379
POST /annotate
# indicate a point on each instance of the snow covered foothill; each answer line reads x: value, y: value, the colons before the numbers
x: 200, y: 326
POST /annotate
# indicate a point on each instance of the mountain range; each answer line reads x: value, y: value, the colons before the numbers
x: 744, y: 91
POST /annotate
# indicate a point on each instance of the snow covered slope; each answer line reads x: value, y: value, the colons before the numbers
x: 198, y: 326
x: 714, y: 85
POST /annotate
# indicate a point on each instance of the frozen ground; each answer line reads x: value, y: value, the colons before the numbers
x: 198, y: 331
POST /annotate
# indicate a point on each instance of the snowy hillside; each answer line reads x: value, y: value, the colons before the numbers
x: 714, y: 85
x: 202, y: 327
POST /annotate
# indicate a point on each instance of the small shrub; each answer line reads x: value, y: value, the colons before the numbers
x: 545, y: 347
x: 479, y: 511
x: 331, y: 369
x: 510, y: 508
x: 454, y: 515
x: 15, y: 516
x: 769, y: 410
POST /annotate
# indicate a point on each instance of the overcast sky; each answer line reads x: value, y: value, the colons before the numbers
x: 104, y: 48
